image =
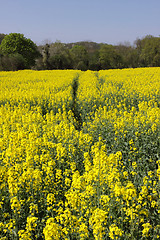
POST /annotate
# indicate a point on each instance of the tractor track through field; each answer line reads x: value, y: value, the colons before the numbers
x: 74, y: 106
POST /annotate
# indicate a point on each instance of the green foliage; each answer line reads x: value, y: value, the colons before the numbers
x: 16, y: 43
x: 80, y: 57
x: 129, y: 55
x: 150, y: 54
x: 148, y: 49
x: 94, y: 63
x: 12, y: 62
x: 109, y: 58
x: 2, y: 35
x: 60, y: 57
x: 46, y: 56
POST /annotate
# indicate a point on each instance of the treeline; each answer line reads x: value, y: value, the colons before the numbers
x: 17, y: 52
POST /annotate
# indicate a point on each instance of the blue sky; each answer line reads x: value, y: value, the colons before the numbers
x: 107, y: 21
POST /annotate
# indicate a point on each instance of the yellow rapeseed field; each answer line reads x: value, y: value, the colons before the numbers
x: 80, y: 154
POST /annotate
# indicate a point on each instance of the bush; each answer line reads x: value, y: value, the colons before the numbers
x: 12, y: 62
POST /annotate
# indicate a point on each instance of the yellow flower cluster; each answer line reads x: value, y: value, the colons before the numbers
x: 100, y: 180
x: 114, y: 232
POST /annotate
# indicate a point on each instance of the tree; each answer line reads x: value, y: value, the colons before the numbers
x: 12, y: 62
x: 16, y: 43
x: 80, y: 57
x: 2, y: 35
x: 129, y: 55
x: 45, y: 54
x: 60, y: 57
x: 150, y: 52
x: 94, y: 63
x: 109, y: 57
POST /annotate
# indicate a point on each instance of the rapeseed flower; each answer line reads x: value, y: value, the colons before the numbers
x: 99, y: 180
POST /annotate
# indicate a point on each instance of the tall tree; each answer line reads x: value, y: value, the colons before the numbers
x: 46, y: 54
x: 109, y: 57
x: 60, y: 57
x: 129, y: 55
x: 80, y: 57
x: 16, y: 43
x: 150, y: 51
